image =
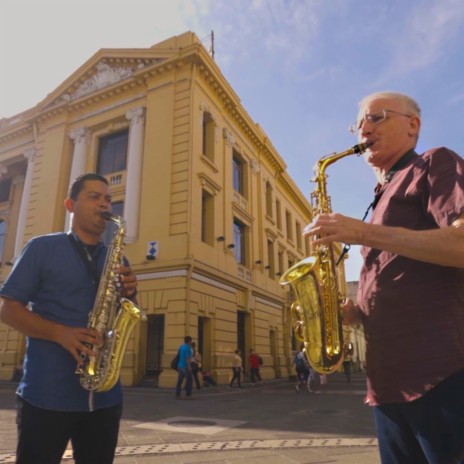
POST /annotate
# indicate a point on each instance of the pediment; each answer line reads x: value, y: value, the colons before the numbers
x: 98, y: 73
x: 104, y: 76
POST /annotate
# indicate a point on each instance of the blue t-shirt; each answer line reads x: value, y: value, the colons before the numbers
x: 53, y: 279
x: 185, y: 351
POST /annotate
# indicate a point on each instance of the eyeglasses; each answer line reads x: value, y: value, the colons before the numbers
x: 374, y: 118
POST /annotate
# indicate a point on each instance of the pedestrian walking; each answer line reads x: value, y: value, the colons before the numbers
x: 184, y: 369
x: 302, y: 369
x: 255, y: 361
x: 347, y: 369
x: 237, y: 368
x: 195, y: 362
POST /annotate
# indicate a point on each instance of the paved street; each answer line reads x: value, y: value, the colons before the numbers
x: 264, y: 424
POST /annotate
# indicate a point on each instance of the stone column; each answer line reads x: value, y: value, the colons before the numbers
x: 80, y: 139
x: 30, y: 156
x: 134, y: 172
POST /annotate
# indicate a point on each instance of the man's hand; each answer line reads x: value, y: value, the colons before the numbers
x: 128, y: 281
x: 334, y: 227
x: 78, y: 341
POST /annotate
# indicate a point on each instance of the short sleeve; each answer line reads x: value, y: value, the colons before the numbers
x: 23, y: 281
x: 445, y: 180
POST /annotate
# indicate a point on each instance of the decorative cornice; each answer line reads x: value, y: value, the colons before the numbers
x: 104, y: 88
x: 16, y: 132
x: 271, y: 234
x: 244, y: 214
x: 235, y: 110
x: 104, y: 77
x: 205, y: 181
x: 286, y: 184
x: 114, y: 75
x: 106, y: 73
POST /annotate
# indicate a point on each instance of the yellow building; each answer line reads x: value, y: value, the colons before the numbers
x: 356, y: 332
x: 212, y: 216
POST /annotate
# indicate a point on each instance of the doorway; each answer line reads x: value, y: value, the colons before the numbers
x: 155, y: 344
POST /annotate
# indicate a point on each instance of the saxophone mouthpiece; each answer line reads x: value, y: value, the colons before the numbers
x: 361, y: 147
x: 106, y: 215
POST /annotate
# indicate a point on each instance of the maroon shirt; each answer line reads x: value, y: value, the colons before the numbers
x: 413, y: 312
x: 253, y: 359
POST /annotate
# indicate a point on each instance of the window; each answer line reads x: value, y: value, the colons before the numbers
x: 208, y: 136
x: 117, y: 208
x: 278, y: 214
x: 207, y: 217
x: 270, y: 257
x: 2, y: 238
x: 268, y: 199
x: 307, y: 246
x: 240, y: 242
x: 288, y: 220
x: 112, y: 153
x: 239, y: 173
x: 281, y: 262
x: 299, y: 237
x: 5, y: 187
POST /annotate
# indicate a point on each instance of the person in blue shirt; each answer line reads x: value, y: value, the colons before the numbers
x: 47, y: 297
x: 184, y: 368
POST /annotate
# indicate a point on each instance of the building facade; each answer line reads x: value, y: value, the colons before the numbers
x: 356, y: 334
x: 213, y: 218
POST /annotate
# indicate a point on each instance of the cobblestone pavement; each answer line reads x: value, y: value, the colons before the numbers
x: 269, y: 423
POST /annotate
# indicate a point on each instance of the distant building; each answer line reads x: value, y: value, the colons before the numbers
x: 357, y: 331
x: 213, y: 218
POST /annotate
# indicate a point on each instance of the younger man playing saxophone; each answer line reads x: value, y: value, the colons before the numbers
x: 47, y: 297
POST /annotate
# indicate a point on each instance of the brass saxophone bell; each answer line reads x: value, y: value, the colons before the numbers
x: 316, y: 312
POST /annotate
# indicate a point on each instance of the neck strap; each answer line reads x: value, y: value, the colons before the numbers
x: 87, y: 255
x: 380, y: 189
x: 399, y: 164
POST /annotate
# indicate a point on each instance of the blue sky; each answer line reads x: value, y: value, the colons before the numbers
x: 299, y: 67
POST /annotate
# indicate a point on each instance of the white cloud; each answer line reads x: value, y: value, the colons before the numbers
x: 282, y: 28
x: 429, y: 30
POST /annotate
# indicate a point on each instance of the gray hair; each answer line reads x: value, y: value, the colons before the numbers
x: 409, y: 105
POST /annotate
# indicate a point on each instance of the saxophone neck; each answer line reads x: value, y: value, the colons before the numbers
x: 323, y: 199
x: 326, y: 161
x: 108, y: 216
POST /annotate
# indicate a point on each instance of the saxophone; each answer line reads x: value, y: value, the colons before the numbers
x: 316, y: 312
x: 113, y: 316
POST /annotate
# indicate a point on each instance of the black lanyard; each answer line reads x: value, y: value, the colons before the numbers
x: 379, y: 189
x: 86, y: 256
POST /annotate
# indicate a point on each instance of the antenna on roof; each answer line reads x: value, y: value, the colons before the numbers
x: 210, y: 37
x: 211, y: 50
